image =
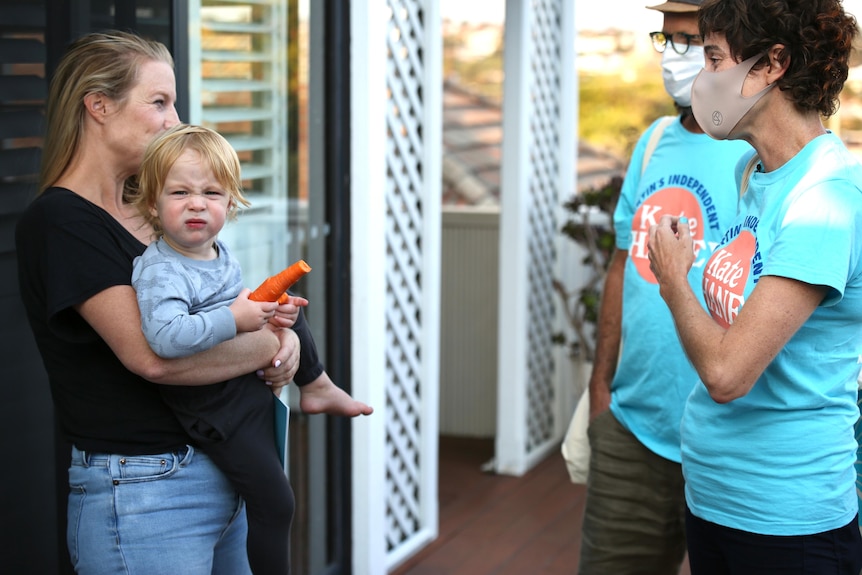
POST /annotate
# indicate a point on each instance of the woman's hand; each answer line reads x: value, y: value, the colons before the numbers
x: 671, y: 250
x: 286, y: 314
x: 285, y: 363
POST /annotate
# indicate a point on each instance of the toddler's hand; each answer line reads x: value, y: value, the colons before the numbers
x: 251, y: 315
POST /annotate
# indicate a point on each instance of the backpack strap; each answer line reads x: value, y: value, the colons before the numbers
x: 654, y: 139
x: 746, y: 173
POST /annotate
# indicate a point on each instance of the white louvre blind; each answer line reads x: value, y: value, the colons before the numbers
x: 238, y: 80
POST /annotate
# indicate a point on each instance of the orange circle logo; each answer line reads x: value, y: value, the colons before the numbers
x: 669, y: 201
x: 725, y: 278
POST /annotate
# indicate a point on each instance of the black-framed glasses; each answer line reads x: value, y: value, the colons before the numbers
x: 679, y: 41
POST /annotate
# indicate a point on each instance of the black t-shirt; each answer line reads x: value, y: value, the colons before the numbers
x: 69, y: 250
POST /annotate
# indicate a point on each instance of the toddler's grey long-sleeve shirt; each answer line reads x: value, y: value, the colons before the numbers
x: 184, y: 302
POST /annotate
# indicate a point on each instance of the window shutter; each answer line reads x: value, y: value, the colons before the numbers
x: 238, y: 87
x: 22, y: 99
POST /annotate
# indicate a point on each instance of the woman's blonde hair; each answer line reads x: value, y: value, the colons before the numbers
x: 216, y: 153
x: 101, y: 62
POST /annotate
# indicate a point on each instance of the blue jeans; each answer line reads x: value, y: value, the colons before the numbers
x: 154, y: 514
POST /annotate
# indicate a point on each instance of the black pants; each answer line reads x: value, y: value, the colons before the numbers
x: 717, y: 550
x: 233, y: 423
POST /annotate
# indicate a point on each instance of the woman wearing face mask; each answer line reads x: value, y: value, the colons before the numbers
x: 768, y: 448
x: 635, y: 508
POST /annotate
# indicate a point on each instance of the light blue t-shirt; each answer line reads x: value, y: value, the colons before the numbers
x: 859, y: 456
x: 692, y: 175
x: 780, y: 460
x: 184, y: 302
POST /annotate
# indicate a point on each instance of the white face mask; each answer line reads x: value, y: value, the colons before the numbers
x: 679, y: 71
x: 717, y: 101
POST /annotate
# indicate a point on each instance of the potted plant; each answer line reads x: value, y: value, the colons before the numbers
x: 590, y: 225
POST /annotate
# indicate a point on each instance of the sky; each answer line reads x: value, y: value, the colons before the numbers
x: 589, y: 14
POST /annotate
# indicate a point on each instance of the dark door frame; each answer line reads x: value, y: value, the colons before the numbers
x: 338, y: 329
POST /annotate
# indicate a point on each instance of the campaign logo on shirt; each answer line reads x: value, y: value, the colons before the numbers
x: 668, y: 201
x: 727, y: 273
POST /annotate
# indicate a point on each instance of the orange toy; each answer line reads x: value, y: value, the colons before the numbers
x: 274, y: 288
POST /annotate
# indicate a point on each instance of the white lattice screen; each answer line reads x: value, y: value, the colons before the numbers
x: 408, y: 205
x: 536, y: 174
x: 542, y: 236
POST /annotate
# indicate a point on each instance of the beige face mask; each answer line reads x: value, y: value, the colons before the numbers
x: 717, y: 101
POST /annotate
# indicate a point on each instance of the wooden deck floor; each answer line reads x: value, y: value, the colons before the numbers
x: 499, y: 525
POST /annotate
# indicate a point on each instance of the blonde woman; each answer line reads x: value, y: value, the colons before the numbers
x: 142, y: 498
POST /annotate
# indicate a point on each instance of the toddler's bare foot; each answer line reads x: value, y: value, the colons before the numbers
x: 323, y: 396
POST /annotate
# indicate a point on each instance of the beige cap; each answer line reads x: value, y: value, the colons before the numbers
x: 678, y: 6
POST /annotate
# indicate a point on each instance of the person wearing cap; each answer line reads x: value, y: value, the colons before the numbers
x: 768, y: 448
x: 635, y: 505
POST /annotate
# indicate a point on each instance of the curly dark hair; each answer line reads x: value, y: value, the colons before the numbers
x: 817, y: 36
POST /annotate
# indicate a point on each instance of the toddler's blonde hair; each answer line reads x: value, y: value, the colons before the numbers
x: 165, y: 150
